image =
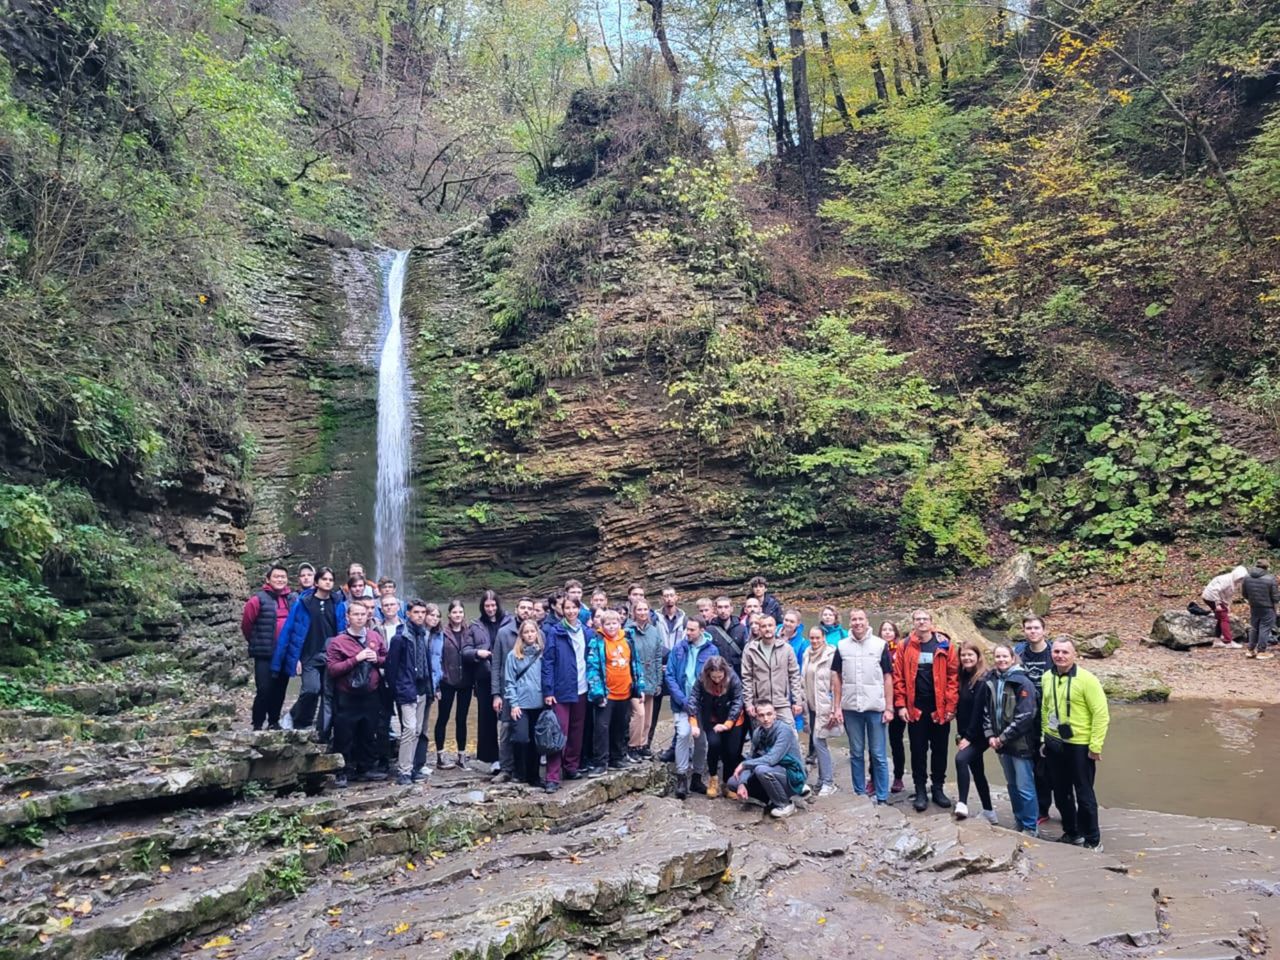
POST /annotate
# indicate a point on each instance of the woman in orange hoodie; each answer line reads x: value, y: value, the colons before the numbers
x: 926, y: 691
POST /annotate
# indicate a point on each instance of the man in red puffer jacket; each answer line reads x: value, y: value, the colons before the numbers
x: 926, y: 690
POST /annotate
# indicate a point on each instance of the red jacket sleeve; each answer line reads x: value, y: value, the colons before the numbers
x: 951, y: 699
x: 899, y: 681
x: 251, y: 609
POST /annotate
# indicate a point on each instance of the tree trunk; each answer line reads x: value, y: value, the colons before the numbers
x: 782, y: 131
x: 668, y: 55
x: 841, y: 107
x: 937, y: 45
x: 916, y: 22
x: 804, y: 111
x: 895, y: 35
x: 873, y: 53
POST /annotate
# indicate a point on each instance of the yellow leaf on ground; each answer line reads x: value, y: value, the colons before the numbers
x: 24, y: 794
x: 222, y: 941
x: 334, y: 911
x: 399, y: 928
x: 504, y: 923
x: 410, y: 865
x: 822, y: 920
x: 69, y: 768
x: 165, y: 868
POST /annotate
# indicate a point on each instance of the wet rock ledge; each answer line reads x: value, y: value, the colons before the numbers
x: 160, y: 832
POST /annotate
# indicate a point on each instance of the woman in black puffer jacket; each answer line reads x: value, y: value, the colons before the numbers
x: 715, y: 711
x: 970, y: 743
x: 455, y: 686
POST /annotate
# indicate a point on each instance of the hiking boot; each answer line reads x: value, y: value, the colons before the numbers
x: 371, y: 776
x: 462, y: 761
x: 682, y: 786
x: 781, y: 813
x: 696, y: 785
x: 421, y: 774
x: 403, y: 780
x: 898, y: 786
x: 921, y: 801
x: 713, y: 787
x: 443, y: 762
x: 1095, y: 847
x: 594, y: 771
x: 617, y: 765
x: 940, y: 798
x: 1071, y: 840
x: 962, y: 811
x: 668, y: 755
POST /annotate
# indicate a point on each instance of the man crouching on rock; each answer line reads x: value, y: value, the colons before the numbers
x: 774, y: 772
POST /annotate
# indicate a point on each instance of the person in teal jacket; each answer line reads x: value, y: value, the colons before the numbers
x: 774, y: 772
x: 615, y: 678
x: 829, y: 621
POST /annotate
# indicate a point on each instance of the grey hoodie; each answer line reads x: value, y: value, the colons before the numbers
x: 1260, y: 589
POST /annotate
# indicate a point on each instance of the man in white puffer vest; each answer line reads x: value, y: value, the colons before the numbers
x: 862, y: 682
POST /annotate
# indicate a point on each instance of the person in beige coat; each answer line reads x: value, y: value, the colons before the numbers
x: 820, y: 699
x: 770, y: 672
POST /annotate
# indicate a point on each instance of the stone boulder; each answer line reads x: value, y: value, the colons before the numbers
x: 1180, y: 630
x: 1134, y: 685
x: 1099, y: 646
x: 958, y: 625
x: 1014, y: 591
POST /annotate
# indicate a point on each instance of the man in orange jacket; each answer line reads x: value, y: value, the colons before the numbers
x: 926, y: 688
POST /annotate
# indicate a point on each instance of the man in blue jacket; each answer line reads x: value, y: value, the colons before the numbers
x: 684, y: 666
x: 302, y: 647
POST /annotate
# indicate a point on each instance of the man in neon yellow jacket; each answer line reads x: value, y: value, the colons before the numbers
x: 1073, y: 720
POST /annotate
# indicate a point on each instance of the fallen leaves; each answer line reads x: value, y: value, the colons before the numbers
x: 216, y: 942
x: 399, y: 928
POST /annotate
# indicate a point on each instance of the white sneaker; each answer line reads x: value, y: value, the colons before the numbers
x: 286, y: 722
x: 961, y: 811
x: 827, y: 789
x: 495, y: 767
x: 990, y: 817
x: 783, y: 812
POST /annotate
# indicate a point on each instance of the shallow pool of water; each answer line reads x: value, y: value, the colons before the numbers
x: 1192, y: 757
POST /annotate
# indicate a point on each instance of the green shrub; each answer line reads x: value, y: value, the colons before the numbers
x: 941, y: 518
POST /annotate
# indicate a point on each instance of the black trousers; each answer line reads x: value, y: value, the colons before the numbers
x: 612, y: 727
x: 383, y: 747
x: 969, y: 761
x: 448, y: 696
x: 928, y: 750
x: 653, y: 721
x: 525, y: 755
x: 1072, y: 773
x: 354, y: 733
x: 724, y: 750
x: 268, y: 695
x: 486, y: 725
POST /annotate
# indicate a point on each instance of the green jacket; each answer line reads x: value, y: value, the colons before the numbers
x: 1088, y: 713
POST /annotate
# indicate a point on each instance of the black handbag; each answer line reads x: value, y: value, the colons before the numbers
x: 520, y: 732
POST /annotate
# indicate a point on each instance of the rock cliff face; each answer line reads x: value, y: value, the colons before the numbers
x: 311, y: 406
x: 605, y: 487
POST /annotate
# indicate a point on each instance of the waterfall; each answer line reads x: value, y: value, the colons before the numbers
x: 391, y: 506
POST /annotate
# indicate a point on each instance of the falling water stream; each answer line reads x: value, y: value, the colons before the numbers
x: 391, y: 506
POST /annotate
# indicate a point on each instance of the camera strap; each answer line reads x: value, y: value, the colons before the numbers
x: 1056, y: 712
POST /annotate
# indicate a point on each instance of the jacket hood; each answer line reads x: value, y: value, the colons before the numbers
x: 1239, y: 573
x: 1258, y: 572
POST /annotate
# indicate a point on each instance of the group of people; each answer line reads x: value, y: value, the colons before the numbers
x: 1255, y: 585
x: 567, y: 689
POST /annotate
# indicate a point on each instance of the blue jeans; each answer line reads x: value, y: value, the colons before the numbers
x: 1020, y: 775
x: 863, y: 728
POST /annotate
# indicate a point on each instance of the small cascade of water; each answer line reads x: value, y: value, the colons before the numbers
x: 391, y: 506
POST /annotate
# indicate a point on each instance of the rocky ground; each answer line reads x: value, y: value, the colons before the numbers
x: 160, y: 830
